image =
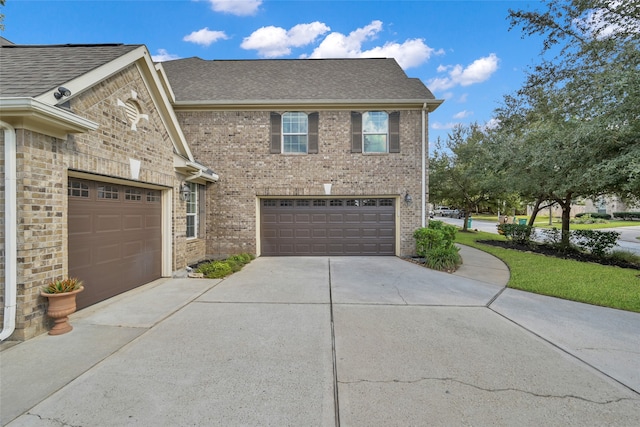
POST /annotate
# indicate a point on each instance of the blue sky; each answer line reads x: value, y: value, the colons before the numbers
x: 462, y: 50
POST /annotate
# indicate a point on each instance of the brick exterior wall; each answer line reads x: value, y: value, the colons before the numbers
x: 236, y: 145
x: 43, y: 163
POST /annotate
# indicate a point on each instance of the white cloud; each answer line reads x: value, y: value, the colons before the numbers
x: 272, y: 42
x: 478, y: 71
x: 205, y: 37
x: 163, y: 55
x: 236, y: 7
x: 443, y: 126
x: 410, y: 53
x: 462, y: 114
x: 603, y: 23
x: 492, y: 123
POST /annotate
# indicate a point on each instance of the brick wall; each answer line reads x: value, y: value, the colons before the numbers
x: 43, y: 163
x: 236, y: 144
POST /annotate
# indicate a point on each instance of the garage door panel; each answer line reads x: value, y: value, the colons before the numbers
x: 114, y: 244
x: 81, y: 224
x: 328, y: 227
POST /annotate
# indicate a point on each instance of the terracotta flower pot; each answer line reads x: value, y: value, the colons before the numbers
x: 60, y: 307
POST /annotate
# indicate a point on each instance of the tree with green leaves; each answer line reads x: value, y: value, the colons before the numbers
x: 573, y: 130
x: 460, y: 170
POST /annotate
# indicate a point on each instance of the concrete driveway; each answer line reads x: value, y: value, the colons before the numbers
x: 331, y: 341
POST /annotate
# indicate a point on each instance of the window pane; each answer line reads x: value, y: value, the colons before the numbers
x: 191, y: 226
x: 375, y: 143
x: 295, y: 144
x: 375, y: 122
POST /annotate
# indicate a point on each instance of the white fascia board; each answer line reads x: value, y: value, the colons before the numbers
x: 325, y: 104
x: 32, y: 114
x: 193, y: 171
x: 165, y: 82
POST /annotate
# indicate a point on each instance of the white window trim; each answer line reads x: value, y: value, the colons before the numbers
x: 194, y: 193
x: 282, y: 133
x: 364, y: 134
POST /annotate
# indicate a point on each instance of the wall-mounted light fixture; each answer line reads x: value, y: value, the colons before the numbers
x: 185, y: 192
x: 62, y: 91
x: 407, y: 198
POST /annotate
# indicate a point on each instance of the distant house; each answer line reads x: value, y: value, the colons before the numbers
x: 290, y: 157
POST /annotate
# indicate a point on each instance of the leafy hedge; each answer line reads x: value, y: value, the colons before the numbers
x: 594, y: 215
x: 596, y: 242
x: 627, y: 215
x: 220, y: 269
x: 436, y: 245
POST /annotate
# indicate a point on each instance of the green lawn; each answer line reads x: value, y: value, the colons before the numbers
x: 573, y: 280
x: 543, y: 222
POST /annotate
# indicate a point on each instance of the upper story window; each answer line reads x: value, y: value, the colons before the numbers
x: 294, y: 133
x: 295, y: 130
x: 375, y: 132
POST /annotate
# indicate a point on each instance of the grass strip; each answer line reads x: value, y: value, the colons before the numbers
x: 590, y: 283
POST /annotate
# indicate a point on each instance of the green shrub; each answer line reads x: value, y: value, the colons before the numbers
x: 443, y: 259
x: 594, y: 215
x: 215, y: 269
x: 517, y: 233
x: 625, y: 256
x: 627, y: 215
x: 595, y: 241
x: 590, y: 219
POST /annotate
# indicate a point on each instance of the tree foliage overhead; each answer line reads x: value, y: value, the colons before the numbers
x: 594, y: 81
x: 573, y: 129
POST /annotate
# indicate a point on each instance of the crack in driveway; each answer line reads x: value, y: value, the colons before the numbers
x: 489, y: 390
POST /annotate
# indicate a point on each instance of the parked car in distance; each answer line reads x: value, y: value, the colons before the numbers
x: 447, y: 211
x: 442, y: 210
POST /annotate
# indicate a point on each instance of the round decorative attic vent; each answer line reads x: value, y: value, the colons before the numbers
x: 133, y: 111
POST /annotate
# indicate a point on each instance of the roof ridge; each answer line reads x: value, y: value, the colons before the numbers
x: 68, y: 45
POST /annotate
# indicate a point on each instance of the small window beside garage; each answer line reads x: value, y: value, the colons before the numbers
x: 192, y: 211
x: 108, y: 192
x: 78, y: 189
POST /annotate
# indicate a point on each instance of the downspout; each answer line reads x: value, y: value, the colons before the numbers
x: 424, y: 166
x: 10, y: 232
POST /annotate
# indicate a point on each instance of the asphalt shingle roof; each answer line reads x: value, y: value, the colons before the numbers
x: 195, y: 79
x: 31, y: 70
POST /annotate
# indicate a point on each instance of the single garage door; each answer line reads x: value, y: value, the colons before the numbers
x: 363, y: 226
x: 115, y: 239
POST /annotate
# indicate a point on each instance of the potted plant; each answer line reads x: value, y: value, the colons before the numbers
x: 62, y: 302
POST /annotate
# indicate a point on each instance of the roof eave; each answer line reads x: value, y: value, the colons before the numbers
x: 38, y: 116
x: 322, y: 104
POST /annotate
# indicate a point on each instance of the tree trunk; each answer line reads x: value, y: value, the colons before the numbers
x: 536, y: 209
x: 566, y: 216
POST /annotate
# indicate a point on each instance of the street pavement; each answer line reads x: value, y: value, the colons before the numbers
x: 331, y: 341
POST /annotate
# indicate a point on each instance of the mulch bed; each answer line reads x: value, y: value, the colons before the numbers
x: 551, y: 251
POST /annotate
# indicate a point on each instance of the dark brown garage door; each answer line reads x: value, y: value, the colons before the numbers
x: 115, y: 239
x: 327, y: 226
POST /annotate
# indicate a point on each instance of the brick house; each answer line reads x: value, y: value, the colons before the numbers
x: 315, y: 157
x: 311, y: 157
x: 93, y: 163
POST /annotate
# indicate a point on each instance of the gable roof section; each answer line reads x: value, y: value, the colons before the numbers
x: 30, y: 74
x: 198, y: 82
x: 32, y: 70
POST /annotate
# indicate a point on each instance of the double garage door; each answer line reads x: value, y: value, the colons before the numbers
x: 340, y: 226
x: 115, y: 241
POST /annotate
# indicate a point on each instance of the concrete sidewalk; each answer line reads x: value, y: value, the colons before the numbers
x: 331, y: 341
